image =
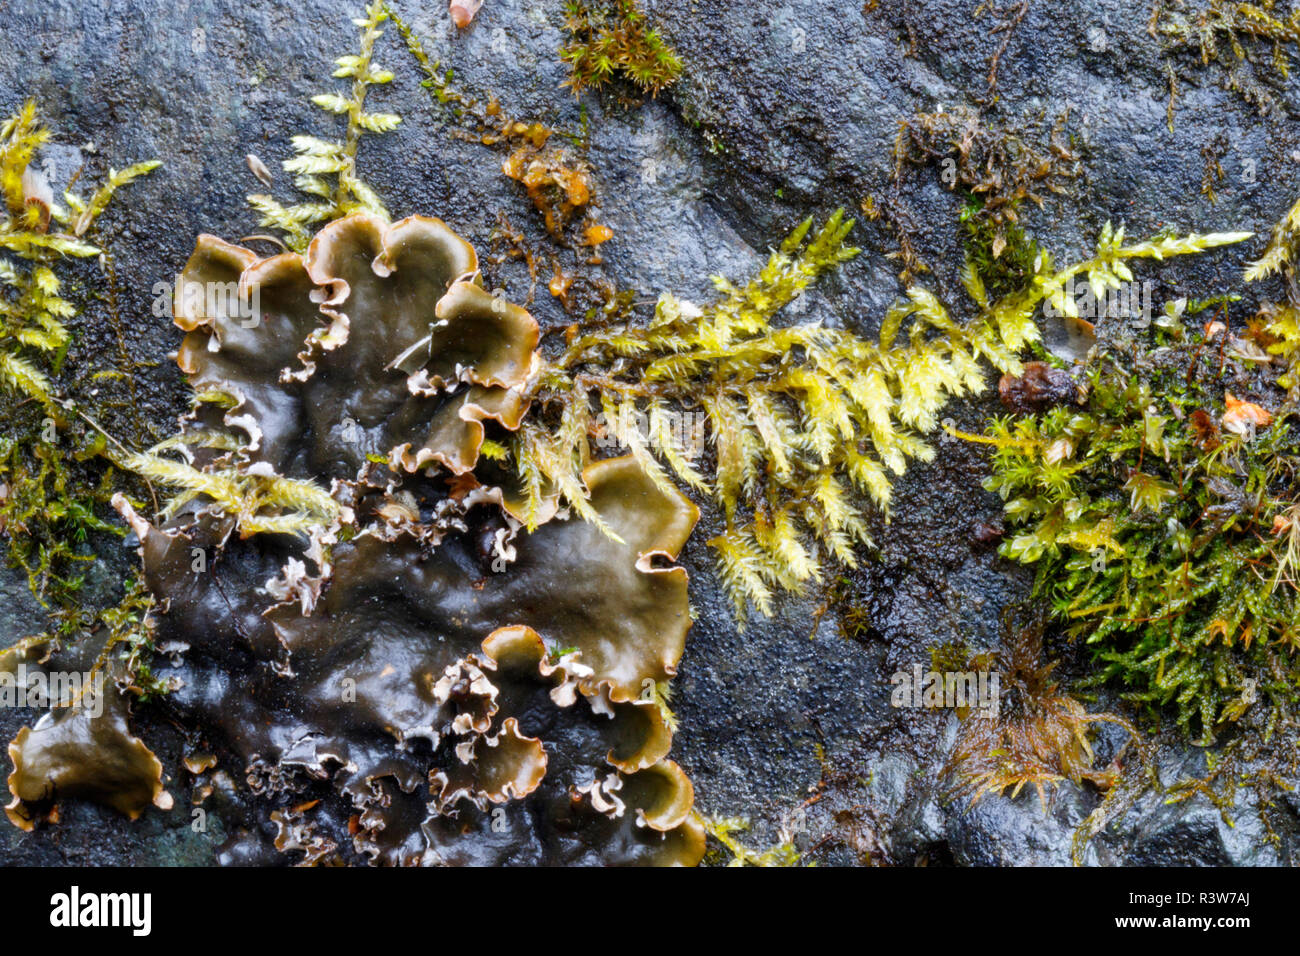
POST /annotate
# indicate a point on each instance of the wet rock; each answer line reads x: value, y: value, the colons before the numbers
x: 786, y: 108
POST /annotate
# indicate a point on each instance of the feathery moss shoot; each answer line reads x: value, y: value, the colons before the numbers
x: 324, y: 169
x: 801, y: 420
x: 804, y: 423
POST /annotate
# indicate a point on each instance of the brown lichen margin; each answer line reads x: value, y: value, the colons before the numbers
x: 81, y: 756
x: 524, y: 648
x: 674, y: 795
x: 457, y: 430
x: 506, y: 767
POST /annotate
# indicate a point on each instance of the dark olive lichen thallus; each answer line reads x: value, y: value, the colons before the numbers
x: 377, y: 342
x: 83, y: 747
x: 389, y: 665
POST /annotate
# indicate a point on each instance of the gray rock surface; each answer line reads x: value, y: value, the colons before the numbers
x: 786, y: 108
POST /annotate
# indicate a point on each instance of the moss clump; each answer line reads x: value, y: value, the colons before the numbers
x: 50, y: 502
x: 55, y: 488
x: 1003, y: 255
x: 610, y: 39
x: 1163, y: 519
x: 48, y: 517
x: 950, y: 656
x: 1038, y: 735
x: 997, y: 167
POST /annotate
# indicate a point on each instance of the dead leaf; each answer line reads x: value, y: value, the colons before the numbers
x: 1241, y: 418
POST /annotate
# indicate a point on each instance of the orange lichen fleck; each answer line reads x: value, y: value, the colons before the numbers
x: 597, y: 233
x: 560, y: 284
x: 557, y: 184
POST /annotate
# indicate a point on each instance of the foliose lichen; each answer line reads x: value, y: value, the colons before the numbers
x: 364, y: 632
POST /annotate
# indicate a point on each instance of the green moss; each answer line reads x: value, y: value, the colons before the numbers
x: 999, y: 168
x: 611, y: 40
x: 803, y: 424
x: 50, y: 502
x: 728, y: 848
x: 325, y: 170
x: 800, y: 419
x: 1003, y: 255
x: 1163, y: 521
x: 55, y: 485
x: 950, y: 656
x: 48, y: 517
